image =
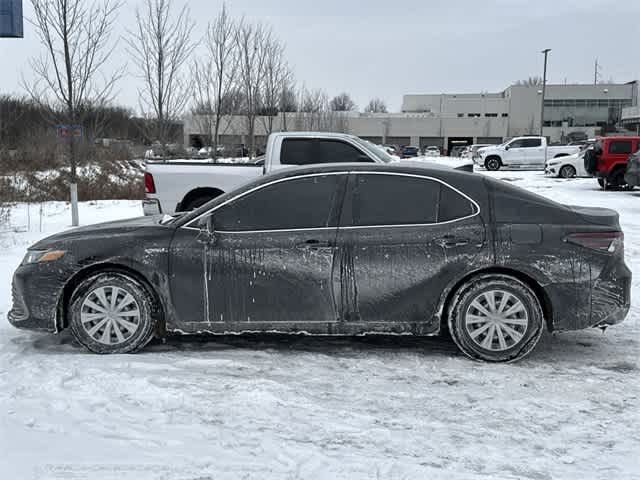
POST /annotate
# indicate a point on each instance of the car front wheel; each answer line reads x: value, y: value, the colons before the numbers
x: 493, y: 164
x: 112, y: 313
x: 568, y: 171
x: 495, y: 318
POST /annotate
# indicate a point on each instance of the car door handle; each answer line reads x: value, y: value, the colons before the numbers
x: 313, y: 244
x: 450, y: 241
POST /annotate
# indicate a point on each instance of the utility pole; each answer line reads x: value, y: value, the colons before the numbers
x: 544, y: 89
x: 596, y: 72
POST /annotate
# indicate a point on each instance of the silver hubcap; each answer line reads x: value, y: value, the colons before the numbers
x: 110, y: 315
x: 496, y: 320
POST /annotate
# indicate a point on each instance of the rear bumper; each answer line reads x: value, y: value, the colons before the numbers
x: 151, y: 206
x: 603, y: 301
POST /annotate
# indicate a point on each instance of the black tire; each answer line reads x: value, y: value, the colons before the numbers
x: 144, y: 300
x: 568, y: 171
x: 197, y: 202
x: 461, y: 305
x: 493, y: 164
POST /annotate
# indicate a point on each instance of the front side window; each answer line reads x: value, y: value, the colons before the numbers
x: 388, y: 200
x: 332, y: 151
x: 517, y: 143
x: 620, y: 147
x: 297, y: 203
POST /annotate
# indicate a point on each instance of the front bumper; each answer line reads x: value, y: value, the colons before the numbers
x: 551, y: 170
x: 35, y: 291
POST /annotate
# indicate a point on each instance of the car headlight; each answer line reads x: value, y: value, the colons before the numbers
x: 41, y: 256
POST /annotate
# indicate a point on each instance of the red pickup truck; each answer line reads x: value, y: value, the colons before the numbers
x: 607, y: 160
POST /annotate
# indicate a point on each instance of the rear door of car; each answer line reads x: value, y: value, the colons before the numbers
x: 534, y: 152
x: 402, y: 238
x: 618, y: 151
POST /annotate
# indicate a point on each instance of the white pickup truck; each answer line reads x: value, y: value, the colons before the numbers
x: 522, y: 152
x: 182, y: 185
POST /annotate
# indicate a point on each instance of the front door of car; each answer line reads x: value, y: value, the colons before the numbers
x: 269, y: 265
x: 516, y: 153
x: 402, y: 239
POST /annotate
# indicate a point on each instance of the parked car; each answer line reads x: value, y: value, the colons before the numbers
x: 523, y: 152
x: 456, y: 150
x: 432, y: 151
x: 567, y: 167
x: 341, y: 249
x: 473, y: 152
x: 174, y: 187
x: 632, y: 174
x: 607, y: 161
x: 409, y: 152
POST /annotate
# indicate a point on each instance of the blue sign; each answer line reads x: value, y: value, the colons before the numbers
x: 11, y: 23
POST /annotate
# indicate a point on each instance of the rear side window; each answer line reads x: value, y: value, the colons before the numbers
x: 403, y: 200
x: 452, y: 205
x: 297, y: 151
x: 532, y: 142
x: 304, y: 202
x: 620, y: 146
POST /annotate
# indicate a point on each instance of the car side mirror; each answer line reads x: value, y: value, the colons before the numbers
x: 207, y: 234
x: 507, y: 147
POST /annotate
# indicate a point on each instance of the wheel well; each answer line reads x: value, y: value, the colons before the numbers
x: 541, y: 295
x: 79, y: 277
x: 561, y: 155
x: 490, y: 157
x: 197, y: 193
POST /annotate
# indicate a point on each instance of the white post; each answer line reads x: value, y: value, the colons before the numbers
x: 75, y: 220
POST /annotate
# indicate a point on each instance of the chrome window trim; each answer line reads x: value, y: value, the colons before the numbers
x: 399, y: 174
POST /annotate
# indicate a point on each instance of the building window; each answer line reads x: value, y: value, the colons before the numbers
x: 474, y: 115
x: 491, y: 115
x: 505, y: 115
x: 460, y: 115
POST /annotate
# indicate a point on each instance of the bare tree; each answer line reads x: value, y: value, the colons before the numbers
x: 315, y: 114
x: 160, y: 47
x: 530, y: 82
x: 252, y: 41
x: 342, y: 103
x: 277, y: 78
x: 216, y: 77
x: 376, y: 105
x: 70, y: 74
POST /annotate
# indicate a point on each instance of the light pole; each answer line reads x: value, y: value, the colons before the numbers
x: 544, y: 89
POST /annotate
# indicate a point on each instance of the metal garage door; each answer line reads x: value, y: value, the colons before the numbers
x: 401, y: 141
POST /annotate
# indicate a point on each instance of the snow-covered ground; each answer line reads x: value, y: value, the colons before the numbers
x: 303, y: 408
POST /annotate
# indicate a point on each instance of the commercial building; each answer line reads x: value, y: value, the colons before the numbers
x: 446, y: 120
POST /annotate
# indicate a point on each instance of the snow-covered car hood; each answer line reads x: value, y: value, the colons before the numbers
x: 100, y: 230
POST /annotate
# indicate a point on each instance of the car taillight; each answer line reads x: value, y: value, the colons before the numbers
x: 149, y: 185
x: 603, y: 241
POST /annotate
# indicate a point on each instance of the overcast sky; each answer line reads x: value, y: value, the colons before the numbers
x: 389, y: 48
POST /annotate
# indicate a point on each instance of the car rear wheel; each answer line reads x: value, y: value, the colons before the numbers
x: 495, y: 318
x: 493, y: 164
x: 112, y: 313
x: 568, y: 171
